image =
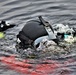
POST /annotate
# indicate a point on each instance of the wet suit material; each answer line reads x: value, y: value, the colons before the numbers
x: 30, y: 32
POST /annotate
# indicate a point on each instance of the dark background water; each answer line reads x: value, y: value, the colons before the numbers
x: 20, y: 11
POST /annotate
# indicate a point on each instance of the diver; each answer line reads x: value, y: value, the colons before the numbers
x: 34, y: 32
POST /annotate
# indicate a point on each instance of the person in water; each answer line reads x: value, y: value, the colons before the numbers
x: 38, y: 36
x: 34, y: 32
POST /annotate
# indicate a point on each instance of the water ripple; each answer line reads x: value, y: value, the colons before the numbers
x: 54, y: 11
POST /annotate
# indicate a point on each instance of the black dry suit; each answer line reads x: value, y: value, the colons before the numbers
x: 33, y: 30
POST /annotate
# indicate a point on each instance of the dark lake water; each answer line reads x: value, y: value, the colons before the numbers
x: 19, y: 12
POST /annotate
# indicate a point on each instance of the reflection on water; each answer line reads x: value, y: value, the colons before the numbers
x: 19, y: 11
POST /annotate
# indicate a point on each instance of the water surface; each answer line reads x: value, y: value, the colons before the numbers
x: 20, y: 11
